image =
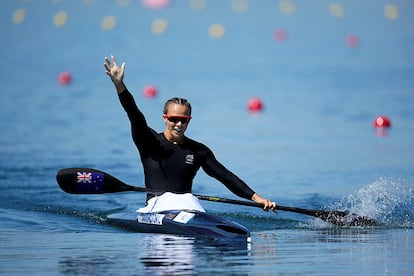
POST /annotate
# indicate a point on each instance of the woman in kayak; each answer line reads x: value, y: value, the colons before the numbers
x: 170, y: 159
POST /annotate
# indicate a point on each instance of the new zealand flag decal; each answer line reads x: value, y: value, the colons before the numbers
x: 90, y: 182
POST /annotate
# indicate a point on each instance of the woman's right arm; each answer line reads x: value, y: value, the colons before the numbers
x: 141, y: 133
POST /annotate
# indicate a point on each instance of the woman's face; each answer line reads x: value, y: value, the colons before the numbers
x: 176, y: 122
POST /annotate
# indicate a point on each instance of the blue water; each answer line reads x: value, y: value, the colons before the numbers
x: 313, y: 146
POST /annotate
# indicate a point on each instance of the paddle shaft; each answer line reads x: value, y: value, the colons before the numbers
x: 316, y: 213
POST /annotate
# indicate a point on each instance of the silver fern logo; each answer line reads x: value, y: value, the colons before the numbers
x: 189, y: 159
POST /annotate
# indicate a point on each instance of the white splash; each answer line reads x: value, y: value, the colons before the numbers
x: 388, y: 201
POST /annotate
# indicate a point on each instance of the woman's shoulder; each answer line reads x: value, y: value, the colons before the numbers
x: 196, y: 145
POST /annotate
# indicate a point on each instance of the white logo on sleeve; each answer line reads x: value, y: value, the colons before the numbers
x: 189, y: 159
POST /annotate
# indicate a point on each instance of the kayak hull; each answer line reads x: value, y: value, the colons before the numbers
x: 181, y: 222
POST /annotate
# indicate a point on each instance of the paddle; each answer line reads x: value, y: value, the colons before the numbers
x: 91, y: 181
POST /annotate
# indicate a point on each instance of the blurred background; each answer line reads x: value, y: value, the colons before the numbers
x: 310, y: 102
x: 322, y: 71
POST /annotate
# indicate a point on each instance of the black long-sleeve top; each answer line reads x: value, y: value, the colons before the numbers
x: 172, y: 167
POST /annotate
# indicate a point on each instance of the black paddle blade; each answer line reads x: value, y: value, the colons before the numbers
x: 340, y: 218
x: 90, y: 181
x: 346, y: 219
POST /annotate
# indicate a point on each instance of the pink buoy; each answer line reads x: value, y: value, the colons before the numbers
x: 255, y: 105
x: 280, y: 35
x: 352, y: 41
x: 150, y: 91
x: 65, y: 78
x: 382, y: 122
x: 155, y: 4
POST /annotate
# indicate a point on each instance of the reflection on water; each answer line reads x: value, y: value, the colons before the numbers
x: 264, y: 247
x: 84, y: 265
x: 174, y: 255
x: 167, y: 254
x: 271, y: 251
x: 369, y: 250
x: 284, y: 251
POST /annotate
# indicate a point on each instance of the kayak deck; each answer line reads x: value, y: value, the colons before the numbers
x: 181, y: 222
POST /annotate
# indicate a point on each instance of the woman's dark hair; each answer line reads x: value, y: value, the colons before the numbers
x: 178, y: 101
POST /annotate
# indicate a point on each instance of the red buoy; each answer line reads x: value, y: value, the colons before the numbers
x: 255, y: 105
x: 65, y: 78
x: 150, y: 91
x: 382, y: 122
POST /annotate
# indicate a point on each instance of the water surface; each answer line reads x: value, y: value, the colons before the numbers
x: 313, y: 146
